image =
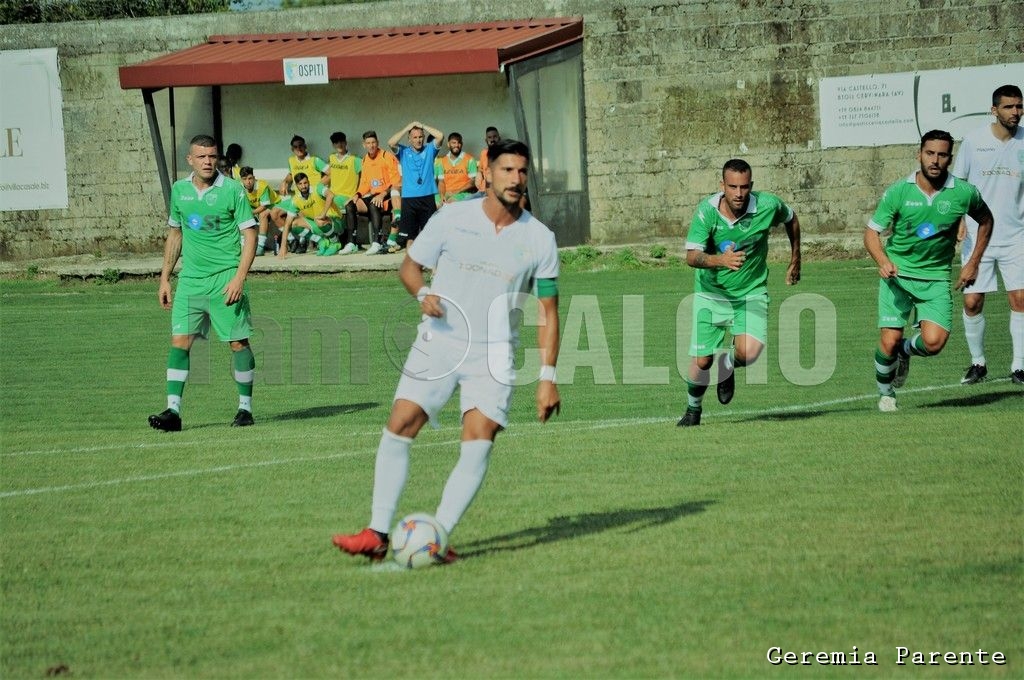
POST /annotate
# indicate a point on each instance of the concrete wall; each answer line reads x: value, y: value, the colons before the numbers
x: 664, y: 108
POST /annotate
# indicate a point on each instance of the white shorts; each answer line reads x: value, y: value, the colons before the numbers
x: 1010, y: 259
x: 437, y: 365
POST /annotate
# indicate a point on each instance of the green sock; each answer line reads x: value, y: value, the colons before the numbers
x: 245, y: 370
x: 885, y: 368
x: 177, y: 374
x: 695, y: 393
x: 916, y: 347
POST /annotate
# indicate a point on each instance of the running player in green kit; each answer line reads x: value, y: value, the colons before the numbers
x: 924, y: 211
x: 728, y: 246
x: 207, y: 211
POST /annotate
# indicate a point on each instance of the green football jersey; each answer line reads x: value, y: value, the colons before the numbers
x: 711, y: 232
x: 924, y: 227
x: 210, y: 221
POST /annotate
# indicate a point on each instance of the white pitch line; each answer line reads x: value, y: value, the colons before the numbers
x: 575, y: 424
x: 170, y: 441
x: 192, y: 473
x: 173, y: 442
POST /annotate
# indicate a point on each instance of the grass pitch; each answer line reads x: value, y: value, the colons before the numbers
x: 608, y: 543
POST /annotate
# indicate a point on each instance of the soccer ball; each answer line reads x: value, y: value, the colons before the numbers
x: 418, y: 540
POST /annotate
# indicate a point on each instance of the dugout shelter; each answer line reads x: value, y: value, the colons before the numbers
x: 526, y: 76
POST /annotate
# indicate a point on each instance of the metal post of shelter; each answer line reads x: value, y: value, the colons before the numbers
x: 158, y: 146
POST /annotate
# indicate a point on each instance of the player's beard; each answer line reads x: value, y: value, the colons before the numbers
x: 513, y: 205
x: 939, y: 179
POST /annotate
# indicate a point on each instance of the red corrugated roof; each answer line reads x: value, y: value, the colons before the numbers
x: 375, y: 53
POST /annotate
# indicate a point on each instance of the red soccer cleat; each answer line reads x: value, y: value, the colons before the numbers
x: 367, y: 542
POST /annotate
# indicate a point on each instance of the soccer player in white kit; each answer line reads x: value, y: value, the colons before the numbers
x: 488, y: 255
x: 992, y: 158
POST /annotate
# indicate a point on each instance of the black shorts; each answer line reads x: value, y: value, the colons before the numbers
x: 415, y: 213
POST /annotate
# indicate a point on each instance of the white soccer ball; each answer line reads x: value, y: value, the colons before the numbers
x: 418, y: 540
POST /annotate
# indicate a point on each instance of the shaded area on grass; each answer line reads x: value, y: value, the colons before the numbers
x: 324, y: 411
x: 974, y: 400
x: 574, y: 526
x: 786, y: 415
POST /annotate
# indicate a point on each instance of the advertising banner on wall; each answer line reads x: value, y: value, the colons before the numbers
x: 897, y: 108
x: 33, y: 170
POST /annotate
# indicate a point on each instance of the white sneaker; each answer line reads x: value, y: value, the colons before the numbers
x: 349, y: 249
x: 374, y: 248
x: 887, y: 404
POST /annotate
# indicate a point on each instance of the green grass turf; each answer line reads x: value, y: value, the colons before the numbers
x: 608, y: 543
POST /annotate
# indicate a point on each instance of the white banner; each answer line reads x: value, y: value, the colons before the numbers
x: 897, y: 108
x: 33, y: 170
x: 306, y: 71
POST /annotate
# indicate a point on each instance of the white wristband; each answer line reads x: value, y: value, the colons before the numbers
x: 547, y: 373
x: 422, y: 293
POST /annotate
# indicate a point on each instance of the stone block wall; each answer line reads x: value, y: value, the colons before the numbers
x: 673, y: 89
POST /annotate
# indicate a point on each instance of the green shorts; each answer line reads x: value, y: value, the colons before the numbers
x: 199, y: 304
x: 712, y: 315
x: 897, y: 296
x: 304, y: 222
x: 339, y: 202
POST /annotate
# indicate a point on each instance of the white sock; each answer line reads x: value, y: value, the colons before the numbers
x: 174, y: 402
x: 261, y: 241
x: 245, y: 402
x: 389, y: 475
x: 1017, y: 337
x: 727, y: 364
x: 974, y: 329
x: 463, y: 483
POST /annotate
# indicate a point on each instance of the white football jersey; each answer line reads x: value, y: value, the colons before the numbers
x: 997, y: 169
x: 482, y: 273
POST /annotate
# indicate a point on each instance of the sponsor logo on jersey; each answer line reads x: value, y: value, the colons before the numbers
x: 195, y: 221
x: 926, y: 230
x: 944, y: 207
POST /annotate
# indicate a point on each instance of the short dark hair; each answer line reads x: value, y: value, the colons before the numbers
x: 338, y: 138
x: 1009, y: 91
x: 246, y: 171
x: 455, y: 135
x: 298, y: 139
x: 203, y: 140
x: 370, y: 133
x: 299, y: 177
x: 490, y: 128
x: 736, y: 165
x: 937, y: 134
x: 511, y: 146
x: 234, y: 151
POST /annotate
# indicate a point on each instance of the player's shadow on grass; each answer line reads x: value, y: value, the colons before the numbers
x: 324, y: 411
x: 781, y: 416
x: 574, y: 526
x: 974, y: 400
